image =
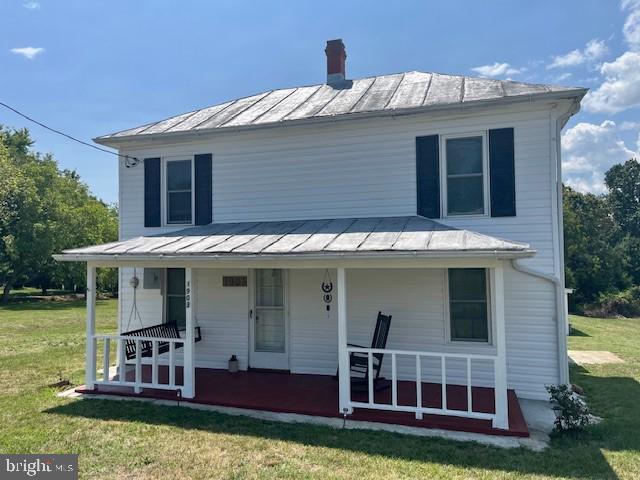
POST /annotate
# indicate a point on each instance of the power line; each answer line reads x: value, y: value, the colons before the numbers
x: 70, y: 137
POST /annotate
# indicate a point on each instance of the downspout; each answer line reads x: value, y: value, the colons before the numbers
x: 557, y: 279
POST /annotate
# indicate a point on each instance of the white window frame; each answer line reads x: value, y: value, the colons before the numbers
x: 164, y: 201
x: 490, y: 313
x: 485, y: 174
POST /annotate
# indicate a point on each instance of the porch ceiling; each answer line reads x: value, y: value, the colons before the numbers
x: 381, y: 237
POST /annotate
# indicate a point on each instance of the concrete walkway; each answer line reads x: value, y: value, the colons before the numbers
x: 593, y: 357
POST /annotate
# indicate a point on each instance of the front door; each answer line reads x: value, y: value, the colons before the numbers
x: 269, y: 324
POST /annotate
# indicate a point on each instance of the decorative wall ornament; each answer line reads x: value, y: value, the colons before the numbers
x: 327, y: 288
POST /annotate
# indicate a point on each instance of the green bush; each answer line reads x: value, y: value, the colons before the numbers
x: 625, y: 303
x: 572, y: 412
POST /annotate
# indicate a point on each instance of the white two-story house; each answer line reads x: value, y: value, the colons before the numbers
x: 386, y: 249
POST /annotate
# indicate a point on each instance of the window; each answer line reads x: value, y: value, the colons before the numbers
x: 465, y: 173
x: 179, y: 198
x: 175, y: 306
x: 468, y: 308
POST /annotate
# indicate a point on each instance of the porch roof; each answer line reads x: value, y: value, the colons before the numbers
x: 381, y: 237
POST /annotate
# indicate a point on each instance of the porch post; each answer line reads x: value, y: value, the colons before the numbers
x: 344, y: 381
x: 90, y: 359
x: 188, y: 390
x: 501, y: 405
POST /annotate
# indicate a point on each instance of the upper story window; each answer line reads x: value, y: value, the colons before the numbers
x: 465, y: 180
x: 179, y: 191
x: 468, y: 304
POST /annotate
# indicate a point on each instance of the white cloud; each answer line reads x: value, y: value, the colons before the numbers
x: 621, y: 87
x: 627, y: 125
x: 28, y: 52
x: 593, y: 50
x: 562, y: 77
x: 571, y: 59
x: 496, y: 70
x: 31, y: 5
x: 588, y: 151
x: 631, y: 28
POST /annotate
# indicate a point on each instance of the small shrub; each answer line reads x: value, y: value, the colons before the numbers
x: 625, y: 303
x: 572, y: 412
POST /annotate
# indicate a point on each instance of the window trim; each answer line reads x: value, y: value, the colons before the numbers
x: 490, y: 313
x: 164, y: 195
x: 485, y: 175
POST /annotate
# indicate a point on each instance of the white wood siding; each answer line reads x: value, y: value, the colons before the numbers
x: 363, y: 168
x: 413, y: 296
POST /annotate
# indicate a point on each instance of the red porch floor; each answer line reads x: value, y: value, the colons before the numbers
x: 318, y: 395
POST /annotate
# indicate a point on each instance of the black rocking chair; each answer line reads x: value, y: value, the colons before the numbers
x: 163, y: 330
x: 359, y: 362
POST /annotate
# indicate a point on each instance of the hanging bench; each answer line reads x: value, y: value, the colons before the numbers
x: 163, y: 330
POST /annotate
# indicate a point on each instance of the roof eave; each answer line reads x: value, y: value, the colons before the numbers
x: 377, y: 255
x: 577, y: 94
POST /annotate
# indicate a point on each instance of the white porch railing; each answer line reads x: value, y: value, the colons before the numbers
x: 138, y: 382
x: 419, y: 409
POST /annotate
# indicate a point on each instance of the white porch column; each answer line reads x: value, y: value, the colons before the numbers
x: 90, y: 359
x: 188, y: 390
x: 344, y: 374
x: 502, y: 412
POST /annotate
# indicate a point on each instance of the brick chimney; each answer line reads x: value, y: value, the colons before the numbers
x: 336, y: 56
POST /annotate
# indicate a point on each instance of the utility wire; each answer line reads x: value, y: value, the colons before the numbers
x: 70, y: 137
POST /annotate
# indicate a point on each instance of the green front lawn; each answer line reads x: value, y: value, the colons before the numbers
x: 43, y: 340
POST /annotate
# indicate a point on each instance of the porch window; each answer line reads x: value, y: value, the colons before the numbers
x: 179, y: 197
x: 468, y: 309
x: 465, y: 172
x: 175, y: 306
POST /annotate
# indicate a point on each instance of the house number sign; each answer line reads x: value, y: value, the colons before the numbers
x: 187, y: 297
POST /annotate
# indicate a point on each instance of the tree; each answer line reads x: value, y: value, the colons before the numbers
x: 44, y: 210
x: 593, y: 262
x: 623, y: 182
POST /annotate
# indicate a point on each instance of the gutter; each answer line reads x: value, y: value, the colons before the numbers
x: 116, y: 141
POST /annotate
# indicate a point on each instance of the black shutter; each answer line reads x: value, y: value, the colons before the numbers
x: 204, y: 196
x: 428, y: 176
x: 151, y: 192
x: 502, y: 173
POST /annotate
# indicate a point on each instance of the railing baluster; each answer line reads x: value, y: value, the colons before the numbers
x: 105, y: 359
x: 172, y: 367
x: 444, y: 381
x: 154, y: 362
x: 370, y: 376
x: 394, y: 381
x: 418, y: 387
x: 122, y: 362
x: 469, y: 387
x: 138, y: 375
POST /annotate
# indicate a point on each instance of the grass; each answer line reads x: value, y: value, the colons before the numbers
x: 117, y: 439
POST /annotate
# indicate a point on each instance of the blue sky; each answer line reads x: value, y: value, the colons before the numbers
x: 93, y: 67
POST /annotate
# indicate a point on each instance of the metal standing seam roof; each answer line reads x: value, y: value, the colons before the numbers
x: 385, y: 93
x: 299, y: 237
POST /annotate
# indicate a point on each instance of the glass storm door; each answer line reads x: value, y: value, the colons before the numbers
x: 269, y: 347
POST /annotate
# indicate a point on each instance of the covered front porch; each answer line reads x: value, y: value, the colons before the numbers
x: 317, y: 396
x: 434, y: 384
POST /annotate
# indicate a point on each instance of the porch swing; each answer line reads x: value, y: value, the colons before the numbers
x: 162, y: 330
